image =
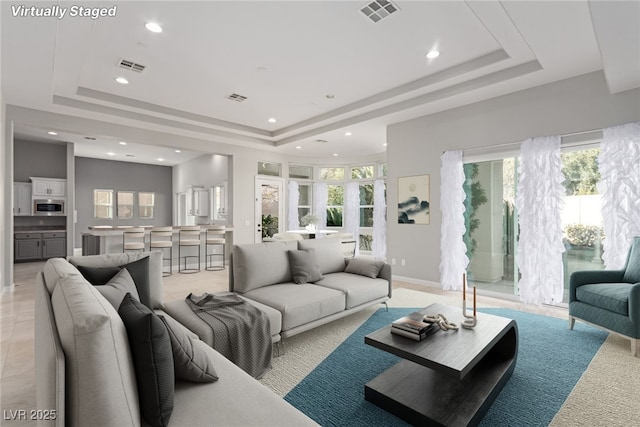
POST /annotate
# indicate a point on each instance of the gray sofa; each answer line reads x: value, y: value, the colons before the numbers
x: 84, y: 368
x: 261, y: 275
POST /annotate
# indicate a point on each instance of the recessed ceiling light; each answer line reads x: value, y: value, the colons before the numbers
x: 161, y: 159
x: 347, y: 133
x: 298, y: 147
x: 153, y: 27
x: 272, y: 120
x: 335, y: 154
x: 433, y: 54
x: 178, y: 151
x: 52, y: 133
x: 122, y: 80
x: 111, y: 154
x: 122, y: 143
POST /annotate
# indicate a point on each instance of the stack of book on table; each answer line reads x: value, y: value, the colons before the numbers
x: 413, y: 327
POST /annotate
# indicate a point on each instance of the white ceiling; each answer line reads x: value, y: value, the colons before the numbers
x: 286, y: 57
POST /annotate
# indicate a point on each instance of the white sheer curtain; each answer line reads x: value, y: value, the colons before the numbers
x: 619, y: 165
x: 539, y: 200
x: 320, y: 197
x: 379, y: 245
x: 294, y: 196
x: 352, y: 210
x: 453, y: 252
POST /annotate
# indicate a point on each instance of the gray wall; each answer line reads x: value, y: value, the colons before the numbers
x: 6, y: 197
x: 414, y: 147
x: 111, y: 175
x: 42, y: 159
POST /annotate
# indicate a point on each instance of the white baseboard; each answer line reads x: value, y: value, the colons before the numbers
x: 415, y: 281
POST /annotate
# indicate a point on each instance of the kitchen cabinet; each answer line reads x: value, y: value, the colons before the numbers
x: 54, y: 245
x: 36, y: 246
x: 22, y: 199
x: 28, y: 246
x: 48, y: 187
x: 197, y: 201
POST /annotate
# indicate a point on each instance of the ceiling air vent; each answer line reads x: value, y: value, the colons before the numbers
x: 377, y: 10
x: 90, y: 138
x: 236, y: 97
x: 130, y: 65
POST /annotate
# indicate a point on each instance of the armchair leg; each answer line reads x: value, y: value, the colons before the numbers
x: 572, y: 322
x: 635, y: 347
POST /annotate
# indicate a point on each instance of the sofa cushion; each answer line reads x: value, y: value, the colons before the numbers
x: 139, y: 270
x: 304, y: 266
x: 328, y: 252
x: 609, y: 296
x: 364, y: 266
x: 257, y: 265
x: 632, y: 272
x: 56, y: 268
x: 190, y: 363
x: 100, y: 385
x: 152, y: 358
x: 120, y: 285
x: 115, y: 260
x: 358, y: 289
x: 299, y: 304
x: 235, y: 400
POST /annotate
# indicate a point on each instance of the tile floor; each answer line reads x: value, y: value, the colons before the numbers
x: 17, y: 380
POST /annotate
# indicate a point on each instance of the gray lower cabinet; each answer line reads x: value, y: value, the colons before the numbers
x: 54, y: 245
x: 28, y: 246
x: 35, y: 246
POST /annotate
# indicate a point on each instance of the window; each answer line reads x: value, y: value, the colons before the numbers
x: 362, y: 172
x: 269, y: 168
x: 125, y: 204
x: 332, y: 174
x: 335, y: 205
x: 146, y: 205
x: 366, y: 217
x: 103, y: 204
x: 304, y: 200
x: 300, y: 172
x: 382, y: 170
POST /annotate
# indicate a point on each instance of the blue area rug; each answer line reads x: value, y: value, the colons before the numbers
x: 551, y: 360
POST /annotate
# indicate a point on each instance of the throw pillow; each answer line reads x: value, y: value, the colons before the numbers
x: 189, y: 363
x: 139, y: 271
x: 364, y: 267
x: 632, y: 273
x: 304, y: 266
x: 152, y: 360
x: 120, y: 285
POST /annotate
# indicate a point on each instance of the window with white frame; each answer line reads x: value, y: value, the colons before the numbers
x: 300, y: 172
x: 125, y: 204
x: 335, y: 205
x: 146, y: 205
x: 304, y: 199
x: 362, y: 172
x: 103, y: 204
x: 269, y: 168
x: 331, y: 174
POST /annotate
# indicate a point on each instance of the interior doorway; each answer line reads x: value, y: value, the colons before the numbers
x: 269, y: 207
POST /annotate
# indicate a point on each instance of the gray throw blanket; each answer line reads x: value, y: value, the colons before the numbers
x: 241, y: 332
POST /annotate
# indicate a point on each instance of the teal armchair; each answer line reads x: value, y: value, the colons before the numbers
x: 609, y: 298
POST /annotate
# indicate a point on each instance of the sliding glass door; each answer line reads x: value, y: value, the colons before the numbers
x: 492, y: 223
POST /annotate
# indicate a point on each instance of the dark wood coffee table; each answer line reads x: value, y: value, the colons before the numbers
x: 450, y: 378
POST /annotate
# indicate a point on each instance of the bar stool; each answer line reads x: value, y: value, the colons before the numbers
x: 188, y: 236
x: 133, y: 239
x: 162, y: 238
x: 215, y: 236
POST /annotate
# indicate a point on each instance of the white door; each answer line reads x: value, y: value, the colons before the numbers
x: 269, y: 206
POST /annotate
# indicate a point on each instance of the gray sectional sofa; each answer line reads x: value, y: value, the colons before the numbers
x: 85, y: 373
x: 261, y: 274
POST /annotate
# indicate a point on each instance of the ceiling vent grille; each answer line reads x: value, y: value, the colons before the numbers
x: 377, y: 10
x: 130, y: 65
x: 236, y: 97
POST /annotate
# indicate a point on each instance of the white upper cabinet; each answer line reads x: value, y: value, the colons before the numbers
x: 21, y: 198
x: 48, y: 187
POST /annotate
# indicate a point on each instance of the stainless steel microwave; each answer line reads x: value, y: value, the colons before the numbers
x: 48, y: 207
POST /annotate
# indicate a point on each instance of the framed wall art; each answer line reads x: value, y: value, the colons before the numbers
x: 413, y: 200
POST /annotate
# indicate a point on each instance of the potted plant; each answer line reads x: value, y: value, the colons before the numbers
x: 309, y: 222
